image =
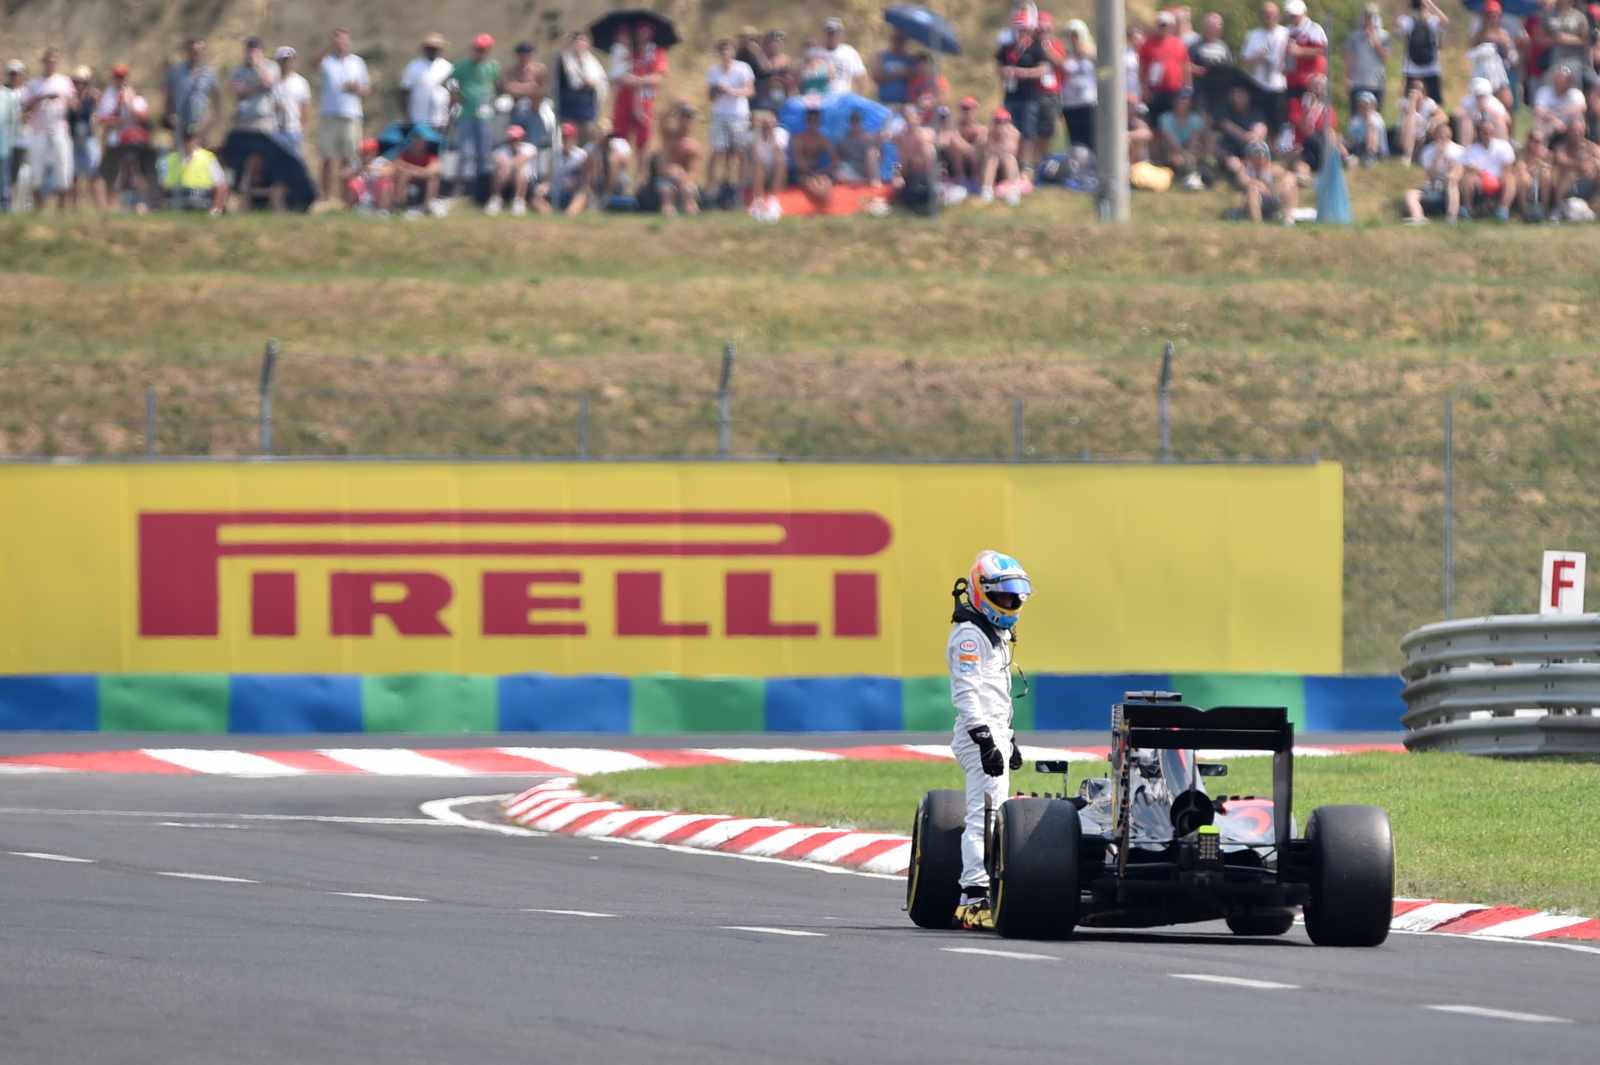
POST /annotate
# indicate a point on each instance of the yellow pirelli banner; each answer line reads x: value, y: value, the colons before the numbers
x: 694, y: 568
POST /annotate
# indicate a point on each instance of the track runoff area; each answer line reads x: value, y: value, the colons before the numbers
x: 360, y: 917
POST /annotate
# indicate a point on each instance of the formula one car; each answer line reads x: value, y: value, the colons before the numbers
x: 1148, y: 846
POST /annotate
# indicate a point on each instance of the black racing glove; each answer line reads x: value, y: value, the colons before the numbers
x: 994, y: 763
x: 1016, y: 757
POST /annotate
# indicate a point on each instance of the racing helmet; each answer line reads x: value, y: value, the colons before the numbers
x: 998, y: 586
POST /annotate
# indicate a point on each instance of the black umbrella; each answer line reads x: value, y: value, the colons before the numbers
x: 605, y: 31
x: 281, y: 164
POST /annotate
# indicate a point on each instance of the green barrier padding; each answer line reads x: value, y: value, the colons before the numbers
x: 925, y: 704
x: 665, y: 703
x: 164, y: 702
x: 1206, y: 690
x: 429, y: 702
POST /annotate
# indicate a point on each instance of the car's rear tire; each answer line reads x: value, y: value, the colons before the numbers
x: 1352, y: 876
x: 1261, y: 922
x: 933, y: 880
x: 1034, y: 893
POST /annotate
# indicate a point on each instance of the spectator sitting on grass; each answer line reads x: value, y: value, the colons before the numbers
x: 963, y: 146
x: 514, y: 165
x: 1183, y: 140
x: 568, y: 188
x: 192, y: 179
x: 1488, y: 174
x: 916, y: 144
x: 1417, y: 113
x: 1536, y: 179
x: 417, y: 164
x: 1480, y: 107
x: 366, y: 188
x: 1270, y: 192
x: 680, y: 158
x: 859, y: 152
x: 1238, y: 126
x: 1558, y: 103
x: 1365, y: 137
x: 813, y: 161
x: 1440, y: 193
x: 1575, y: 161
x: 1000, y: 159
x: 769, y: 167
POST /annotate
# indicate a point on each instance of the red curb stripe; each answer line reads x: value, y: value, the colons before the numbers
x: 639, y: 824
x: 1586, y: 930
x: 862, y: 855
x: 1478, y: 919
x: 571, y: 827
x: 678, y: 835
x: 488, y: 760
x: 883, y: 753
x: 310, y: 761
x: 811, y: 843
x: 751, y: 836
x: 671, y: 759
x: 100, y: 762
x: 1406, y: 906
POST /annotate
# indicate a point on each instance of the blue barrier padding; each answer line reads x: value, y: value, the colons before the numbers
x: 60, y: 702
x: 1354, y: 704
x: 293, y: 702
x: 1071, y: 701
x: 539, y: 702
x: 833, y: 704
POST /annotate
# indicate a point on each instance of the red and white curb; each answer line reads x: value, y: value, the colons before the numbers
x: 510, y: 761
x: 560, y: 807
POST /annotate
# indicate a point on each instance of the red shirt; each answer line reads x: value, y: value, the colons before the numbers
x: 650, y: 60
x: 1163, y: 63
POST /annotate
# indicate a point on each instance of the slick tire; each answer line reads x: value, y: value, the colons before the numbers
x: 1034, y: 892
x: 1352, y: 876
x: 933, y: 885
x: 1261, y: 923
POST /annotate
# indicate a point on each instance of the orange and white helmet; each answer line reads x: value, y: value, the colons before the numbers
x: 998, y: 586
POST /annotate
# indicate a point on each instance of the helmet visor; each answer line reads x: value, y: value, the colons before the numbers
x: 1007, y: 593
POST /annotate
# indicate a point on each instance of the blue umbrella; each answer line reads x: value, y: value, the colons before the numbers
x: 836, y: 112
x: 924, y: 27
x: 1519, y: 8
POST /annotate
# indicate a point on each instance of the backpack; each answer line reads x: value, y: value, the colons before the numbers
x: 1421, y: 47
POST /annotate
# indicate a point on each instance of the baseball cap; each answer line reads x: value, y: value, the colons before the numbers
x: 515, y: 133
x: 1166, y: 18
x: 82, y: 74
x: 252, y: 41
x: 1001, y: 115
x: 1481, y: 87
x: 16, y: 66
x: 1257, y: 148
x: 1492, y: 7
x: 568, y: 131
x: 833, y: 22
x: 748, y: 30
x: 1365, y: 97
x: 119, y: 70
x: 524, y: 48
x: 433, y: 40
x: 1295, y: 7
x: 284, y: 53
x: 483, y: 40
x: 370, y: 146
x: 969, y: 102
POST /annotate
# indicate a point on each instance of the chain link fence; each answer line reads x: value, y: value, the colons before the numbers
x: 1450, y: 492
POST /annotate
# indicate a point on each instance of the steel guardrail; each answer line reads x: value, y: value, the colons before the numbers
x: 1506, y: 684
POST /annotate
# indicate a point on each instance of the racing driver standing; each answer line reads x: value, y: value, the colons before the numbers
x: 979, y: 654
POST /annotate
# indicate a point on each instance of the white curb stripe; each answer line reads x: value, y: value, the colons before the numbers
x: 613, y: 824
x: 769, y: 754
x: 394, y: 762
x: 1433, y: 915
x: 779, y: 842
x: 1531, y: 925
x: 583, y: 760
x: 666, y: 826
x: 228, y: 763
x: 895, y: 861
x: 718, y: 834
x: 540, y: 805
x: 846, y: 845
x: 558, y: 819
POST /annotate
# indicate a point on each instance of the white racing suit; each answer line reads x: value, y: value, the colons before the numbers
x: 980, y: 688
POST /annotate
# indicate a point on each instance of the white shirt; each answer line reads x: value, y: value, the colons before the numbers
x: 1481, y: 109
x: 1492, y: 158
x: 980, y: 678
x: 117, y: 114
x: 847, y: 67
x: 429, y: 100
x: 287, y: 96
x: 1430, y: 154
x: 336, y: 74
x: 50, y: 116
x: 1264, y: 54
x: 1079, y: 88
x: 1486, y: 64
x: 1561, y: 107
x: 1409, y: 69
x: 737, y: 76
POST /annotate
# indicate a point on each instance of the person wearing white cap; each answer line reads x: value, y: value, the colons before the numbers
x: 291, y: 98
x: 1480, y: 108
x: 1307, y: 52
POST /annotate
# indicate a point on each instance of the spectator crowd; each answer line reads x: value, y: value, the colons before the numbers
x: 824, y: 129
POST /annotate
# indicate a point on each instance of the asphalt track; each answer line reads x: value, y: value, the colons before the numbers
x: 113, y: 960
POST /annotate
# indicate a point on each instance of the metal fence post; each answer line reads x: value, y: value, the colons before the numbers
x: 269, y: 361
x: 1163, y: 403
x: 583, y: 425
x: 725, y: 404
x: 1449, y: 559
x: 1018, y: 442
x: 149, y: 420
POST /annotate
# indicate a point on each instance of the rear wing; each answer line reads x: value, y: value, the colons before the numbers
x: 1157, y: 720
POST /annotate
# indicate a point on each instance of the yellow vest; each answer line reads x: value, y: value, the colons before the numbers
x: 194, y: 173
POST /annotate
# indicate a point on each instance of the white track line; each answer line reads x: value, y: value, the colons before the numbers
x: 380, y: 898
x: 772, y: 931
x: 987, y: 953
x: 568, y: 913
x: 1501, y: 1015
x: 214, y: 878
x: 1236, y: 981
x: 46, y: 856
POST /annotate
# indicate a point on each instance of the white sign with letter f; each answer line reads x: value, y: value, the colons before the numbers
x: 1561, y: 582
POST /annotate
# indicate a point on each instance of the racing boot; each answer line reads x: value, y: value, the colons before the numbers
x: 973, y: 914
